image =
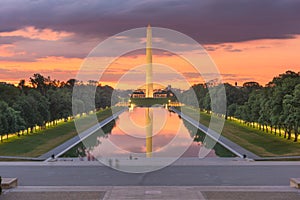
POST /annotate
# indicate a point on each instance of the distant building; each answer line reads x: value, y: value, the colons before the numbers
x: 138, y: 94
x: 157, y: 93
x: 160, y: 94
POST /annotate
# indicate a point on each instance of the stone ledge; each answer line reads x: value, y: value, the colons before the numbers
x: 8, y: 183
x: 295, y: 183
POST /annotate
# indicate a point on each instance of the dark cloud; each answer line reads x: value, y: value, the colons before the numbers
x: 189, y: 75
x: 34, y: 49
x: 207, y: 21
x: 225, y: 77
x: 9, y: 40
x: 229, y: 48
x: 211, y: 48
x: 237, y: 79
x: 213, y: 75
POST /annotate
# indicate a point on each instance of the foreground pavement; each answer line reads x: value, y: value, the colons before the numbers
x: 185, y: 172
x: 190, y: 179
x: 148, y: 192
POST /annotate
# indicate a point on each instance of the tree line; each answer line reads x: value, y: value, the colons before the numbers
x: 43, y: 101
x: 272, y: 108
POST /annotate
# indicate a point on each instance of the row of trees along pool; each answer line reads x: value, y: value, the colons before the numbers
x: 274, y: 108
x: 43, y: 102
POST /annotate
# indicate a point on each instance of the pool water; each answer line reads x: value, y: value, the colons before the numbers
x: 146, y: 132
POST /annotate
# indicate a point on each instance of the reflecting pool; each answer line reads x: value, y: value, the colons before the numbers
x: 146, y: 133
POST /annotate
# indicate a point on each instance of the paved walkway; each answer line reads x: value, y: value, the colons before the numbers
x: 233, y: 147
x: 141, y: 192
x: 61, y: 149
x: 184, y: 173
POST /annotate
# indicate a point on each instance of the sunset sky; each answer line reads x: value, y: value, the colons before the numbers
x: 252, y: 40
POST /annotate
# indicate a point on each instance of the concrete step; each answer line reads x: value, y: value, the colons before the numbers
x: 8, y: 183
x: 295, y: 183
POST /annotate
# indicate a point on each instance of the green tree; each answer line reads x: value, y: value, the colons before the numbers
x: 60, y: 104
x: 42, y: 107
x: 231, y: 110
x: 28, y: 110
x: 103, y: 96
x: 39, y: 82
x: 296, y: 105
x: 288, y: 114
x: 8, y: 93
x: 3, y: 119
x: 10, y: 120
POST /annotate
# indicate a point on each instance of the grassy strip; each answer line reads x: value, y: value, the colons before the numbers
x: 256, y: 141
x: 36, y: 144
x: 149, y: 101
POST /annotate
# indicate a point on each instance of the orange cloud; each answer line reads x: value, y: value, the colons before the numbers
x: 259, y: 60
x: 48, y: 63
x: 8, y: 50
x: 34, y: 33
x: 57, y: 67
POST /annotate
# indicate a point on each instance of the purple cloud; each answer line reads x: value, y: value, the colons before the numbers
x: 207, y: 21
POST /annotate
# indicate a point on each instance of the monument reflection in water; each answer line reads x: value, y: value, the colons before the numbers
x: 143, y: 134
x: 149, y: 131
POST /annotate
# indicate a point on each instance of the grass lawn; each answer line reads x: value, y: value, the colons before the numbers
x: 261, y: 143
x: 36, y: 144
x: 149, y: 101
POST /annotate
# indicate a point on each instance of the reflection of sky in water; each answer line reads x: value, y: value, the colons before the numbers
x: 170, y: 137
x: 134, y: 122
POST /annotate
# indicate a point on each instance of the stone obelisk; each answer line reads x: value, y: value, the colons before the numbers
x: 149, y: 130
x: 149, y: 83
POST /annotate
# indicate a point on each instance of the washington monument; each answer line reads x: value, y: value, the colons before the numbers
x: 149, y: 93
x: 149, y: 83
